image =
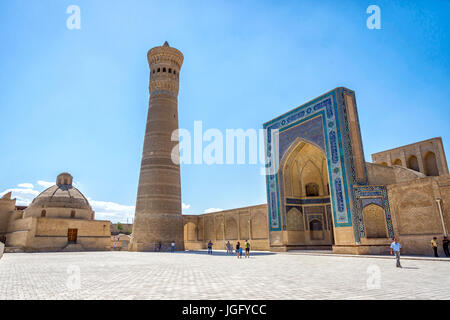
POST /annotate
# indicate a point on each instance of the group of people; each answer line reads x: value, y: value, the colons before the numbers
x: 229, y: 247
x: 158, y: 246
x: 396, y: 246
x: 434, y: 245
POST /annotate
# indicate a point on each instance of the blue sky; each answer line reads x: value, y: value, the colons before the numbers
x: 76, y: 100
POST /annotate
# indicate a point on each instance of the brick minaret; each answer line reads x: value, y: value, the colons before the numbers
x: 158, y: 205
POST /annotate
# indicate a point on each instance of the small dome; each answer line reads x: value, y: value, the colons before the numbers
x: 61, y: 195
x: 64, y: 178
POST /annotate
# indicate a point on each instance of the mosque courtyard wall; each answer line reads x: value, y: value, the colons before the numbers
x: 240, y: 224
x: 413, y: 209
x: 416, y: 217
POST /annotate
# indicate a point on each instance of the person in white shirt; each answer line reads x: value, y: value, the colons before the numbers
x: 173, y: 246
x: 395, y: 249
x: 2, y: 248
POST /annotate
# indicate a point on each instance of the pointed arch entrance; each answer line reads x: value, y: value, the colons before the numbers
x: 304, y: 171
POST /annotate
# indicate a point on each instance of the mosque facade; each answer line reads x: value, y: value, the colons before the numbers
x: 322, y: 194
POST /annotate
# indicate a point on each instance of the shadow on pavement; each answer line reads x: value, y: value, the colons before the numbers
x: 224, y: 253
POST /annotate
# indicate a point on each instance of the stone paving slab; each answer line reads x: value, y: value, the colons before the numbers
x: 196, y: 275
x: 329, y: 252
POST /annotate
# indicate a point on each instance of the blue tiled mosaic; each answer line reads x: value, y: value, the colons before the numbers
x: 317, y: 122
x: 379, y: 197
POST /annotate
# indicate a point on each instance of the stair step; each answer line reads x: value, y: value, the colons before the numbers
x: 73, y: 247
x: 14, y: 250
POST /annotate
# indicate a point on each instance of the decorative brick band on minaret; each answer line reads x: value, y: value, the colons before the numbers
x: 158, y: 217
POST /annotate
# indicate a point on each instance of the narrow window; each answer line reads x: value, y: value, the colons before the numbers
x: 72, y: 214
x: 43, y: 213
x: 312, y: 190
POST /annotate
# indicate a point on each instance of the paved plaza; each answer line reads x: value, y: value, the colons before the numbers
x: 195, y: 275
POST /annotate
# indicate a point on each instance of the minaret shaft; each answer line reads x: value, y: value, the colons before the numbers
x: 158, y: 217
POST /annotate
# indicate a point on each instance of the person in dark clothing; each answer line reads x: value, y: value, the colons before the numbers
x: 445, y: 246
x: 210, y: 245
x: 229, y: 248
x: 238, y: 250
x: 434, y: 246
x: 247, y: 249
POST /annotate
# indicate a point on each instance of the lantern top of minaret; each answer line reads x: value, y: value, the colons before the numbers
x: 165, y: 53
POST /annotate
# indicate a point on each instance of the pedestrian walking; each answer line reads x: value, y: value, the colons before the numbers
x: 395, y: 249
x: 434, y: 246
x: 238, y: 250
x: 210, y: 245
x: 247, y: 249
x: 445, y: 246
x: 172, y: 246
x: 229, y: 248
x: 2, y: 248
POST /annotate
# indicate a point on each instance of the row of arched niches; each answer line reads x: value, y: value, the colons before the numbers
x: 165, y: 70
x: 428, y: 159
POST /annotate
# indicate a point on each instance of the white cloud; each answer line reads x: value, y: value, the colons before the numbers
x: 115, y: 212
x: 185, y: 206
x: 23, y: 196
x: 45, y: 184
x: 26, y: 185
x: 104, y: 210
x: 210, y: 210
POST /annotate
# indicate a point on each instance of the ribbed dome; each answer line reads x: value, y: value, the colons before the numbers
x: 61, y: 196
